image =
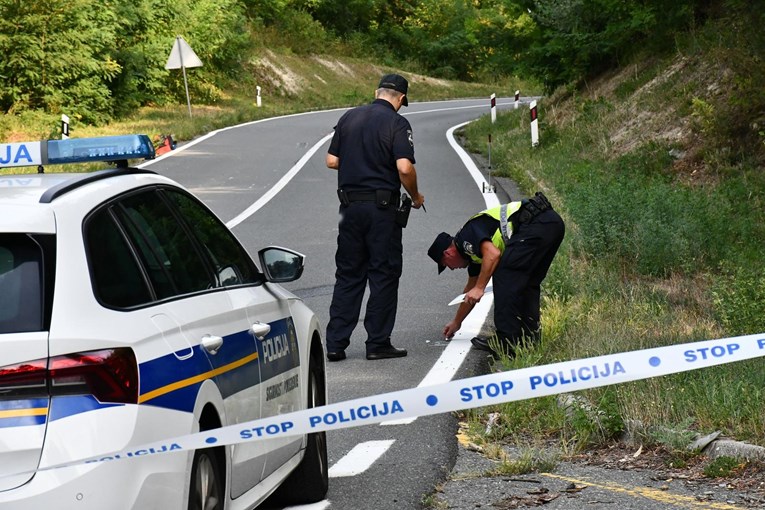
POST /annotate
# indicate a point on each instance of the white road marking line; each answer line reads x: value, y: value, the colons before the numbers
x: 360, y: 458
x: 199, y: 139
x: 286, y: 178
x: 355, y: 462
x: 321, y: 505
x: 490, y: 198
x: 271, y: 193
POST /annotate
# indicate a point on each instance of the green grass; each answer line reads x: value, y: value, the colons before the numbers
x: 638, y: 270
x: 528, y: 461
x: 722, y: 467
x: 656, y: 253
x: 433, y: 501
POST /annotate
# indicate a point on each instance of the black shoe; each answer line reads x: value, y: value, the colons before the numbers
x: 506, y: 346
x: 481, y: 344
x: 335, y: 355
x: 387, y: 353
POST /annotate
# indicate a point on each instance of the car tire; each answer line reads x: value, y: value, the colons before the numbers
x: 206, y: 485
x: 309, y: 482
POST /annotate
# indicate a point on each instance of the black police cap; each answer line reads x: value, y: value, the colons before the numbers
x: 436, y: 250
x: 395, y: 82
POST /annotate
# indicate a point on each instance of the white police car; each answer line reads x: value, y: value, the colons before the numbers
x: 130, y: 314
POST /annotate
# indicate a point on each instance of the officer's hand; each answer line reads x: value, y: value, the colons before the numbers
x: 450, y: 329
x: 473, y: 296
x: 419, y: 201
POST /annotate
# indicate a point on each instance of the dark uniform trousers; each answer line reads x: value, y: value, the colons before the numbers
x: 517, y: 279
x: 369, y: 249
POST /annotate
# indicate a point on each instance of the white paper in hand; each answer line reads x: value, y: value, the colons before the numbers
x: 459, y: 299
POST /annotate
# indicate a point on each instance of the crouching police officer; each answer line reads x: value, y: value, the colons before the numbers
x: 373, y: 151
x: 515, y: 244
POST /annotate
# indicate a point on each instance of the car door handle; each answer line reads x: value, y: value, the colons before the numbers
x: 260, y: 330
x: 212, y: 343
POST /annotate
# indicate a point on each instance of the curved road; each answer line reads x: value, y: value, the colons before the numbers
x: 268, y: 181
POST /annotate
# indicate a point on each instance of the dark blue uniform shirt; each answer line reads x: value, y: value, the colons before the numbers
x: 468, y: 240
x: 373, y: 137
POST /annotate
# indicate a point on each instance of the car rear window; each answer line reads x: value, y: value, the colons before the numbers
x: 117, y: 278
x: 173, y: 262
x: 159, y: 243
x: 21, y: 291
x: 232, y: 264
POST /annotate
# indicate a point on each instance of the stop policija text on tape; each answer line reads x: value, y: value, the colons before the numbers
x: 462, y: 394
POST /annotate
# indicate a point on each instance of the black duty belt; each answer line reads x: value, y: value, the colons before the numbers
x: 536, y: 205
x: 361, y: 196
x: 530, y: 209
x: 383, y: 198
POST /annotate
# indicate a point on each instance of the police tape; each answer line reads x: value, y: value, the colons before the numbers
x: 460, y: 394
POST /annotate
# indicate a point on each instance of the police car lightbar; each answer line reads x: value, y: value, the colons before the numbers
x: 76, y: 150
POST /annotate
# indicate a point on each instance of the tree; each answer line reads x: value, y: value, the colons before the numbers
x: 346, y: 17
x: 56, y: 56
x: 579, y: 38
x: 506, y: 32
x: 93, y: 59
x: 216, y: 31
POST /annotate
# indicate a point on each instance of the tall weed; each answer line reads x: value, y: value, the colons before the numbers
x: 739, y: 297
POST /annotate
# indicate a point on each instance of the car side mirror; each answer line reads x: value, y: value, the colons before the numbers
x: 281, y: 265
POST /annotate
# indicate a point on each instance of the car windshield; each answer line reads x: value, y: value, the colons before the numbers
x: 20, y: 284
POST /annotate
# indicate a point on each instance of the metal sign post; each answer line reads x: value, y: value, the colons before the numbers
x: 181, y: 57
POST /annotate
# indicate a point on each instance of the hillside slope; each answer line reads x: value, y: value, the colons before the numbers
x: 667, y: 102
x: 288, y: 83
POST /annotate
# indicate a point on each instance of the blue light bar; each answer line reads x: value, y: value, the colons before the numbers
x: 104, y: 148
x: 76, y: 150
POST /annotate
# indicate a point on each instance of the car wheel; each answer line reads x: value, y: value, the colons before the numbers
x: 309, y: 482
x: 206, y: 487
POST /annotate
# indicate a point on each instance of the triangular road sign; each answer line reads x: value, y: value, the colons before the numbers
x: 182, y: 55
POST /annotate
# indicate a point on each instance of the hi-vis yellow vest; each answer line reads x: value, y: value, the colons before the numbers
x: 501, y: 213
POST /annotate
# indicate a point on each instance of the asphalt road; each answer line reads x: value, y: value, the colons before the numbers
x: 268, y: 181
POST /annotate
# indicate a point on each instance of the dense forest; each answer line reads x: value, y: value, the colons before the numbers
x: 100, y: 59
x: 104, y: 57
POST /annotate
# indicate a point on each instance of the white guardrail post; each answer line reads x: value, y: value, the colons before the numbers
x: 64, y: 127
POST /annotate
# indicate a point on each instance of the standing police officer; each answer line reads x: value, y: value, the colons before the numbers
x: 373, y: 151
x: 515, y: 244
